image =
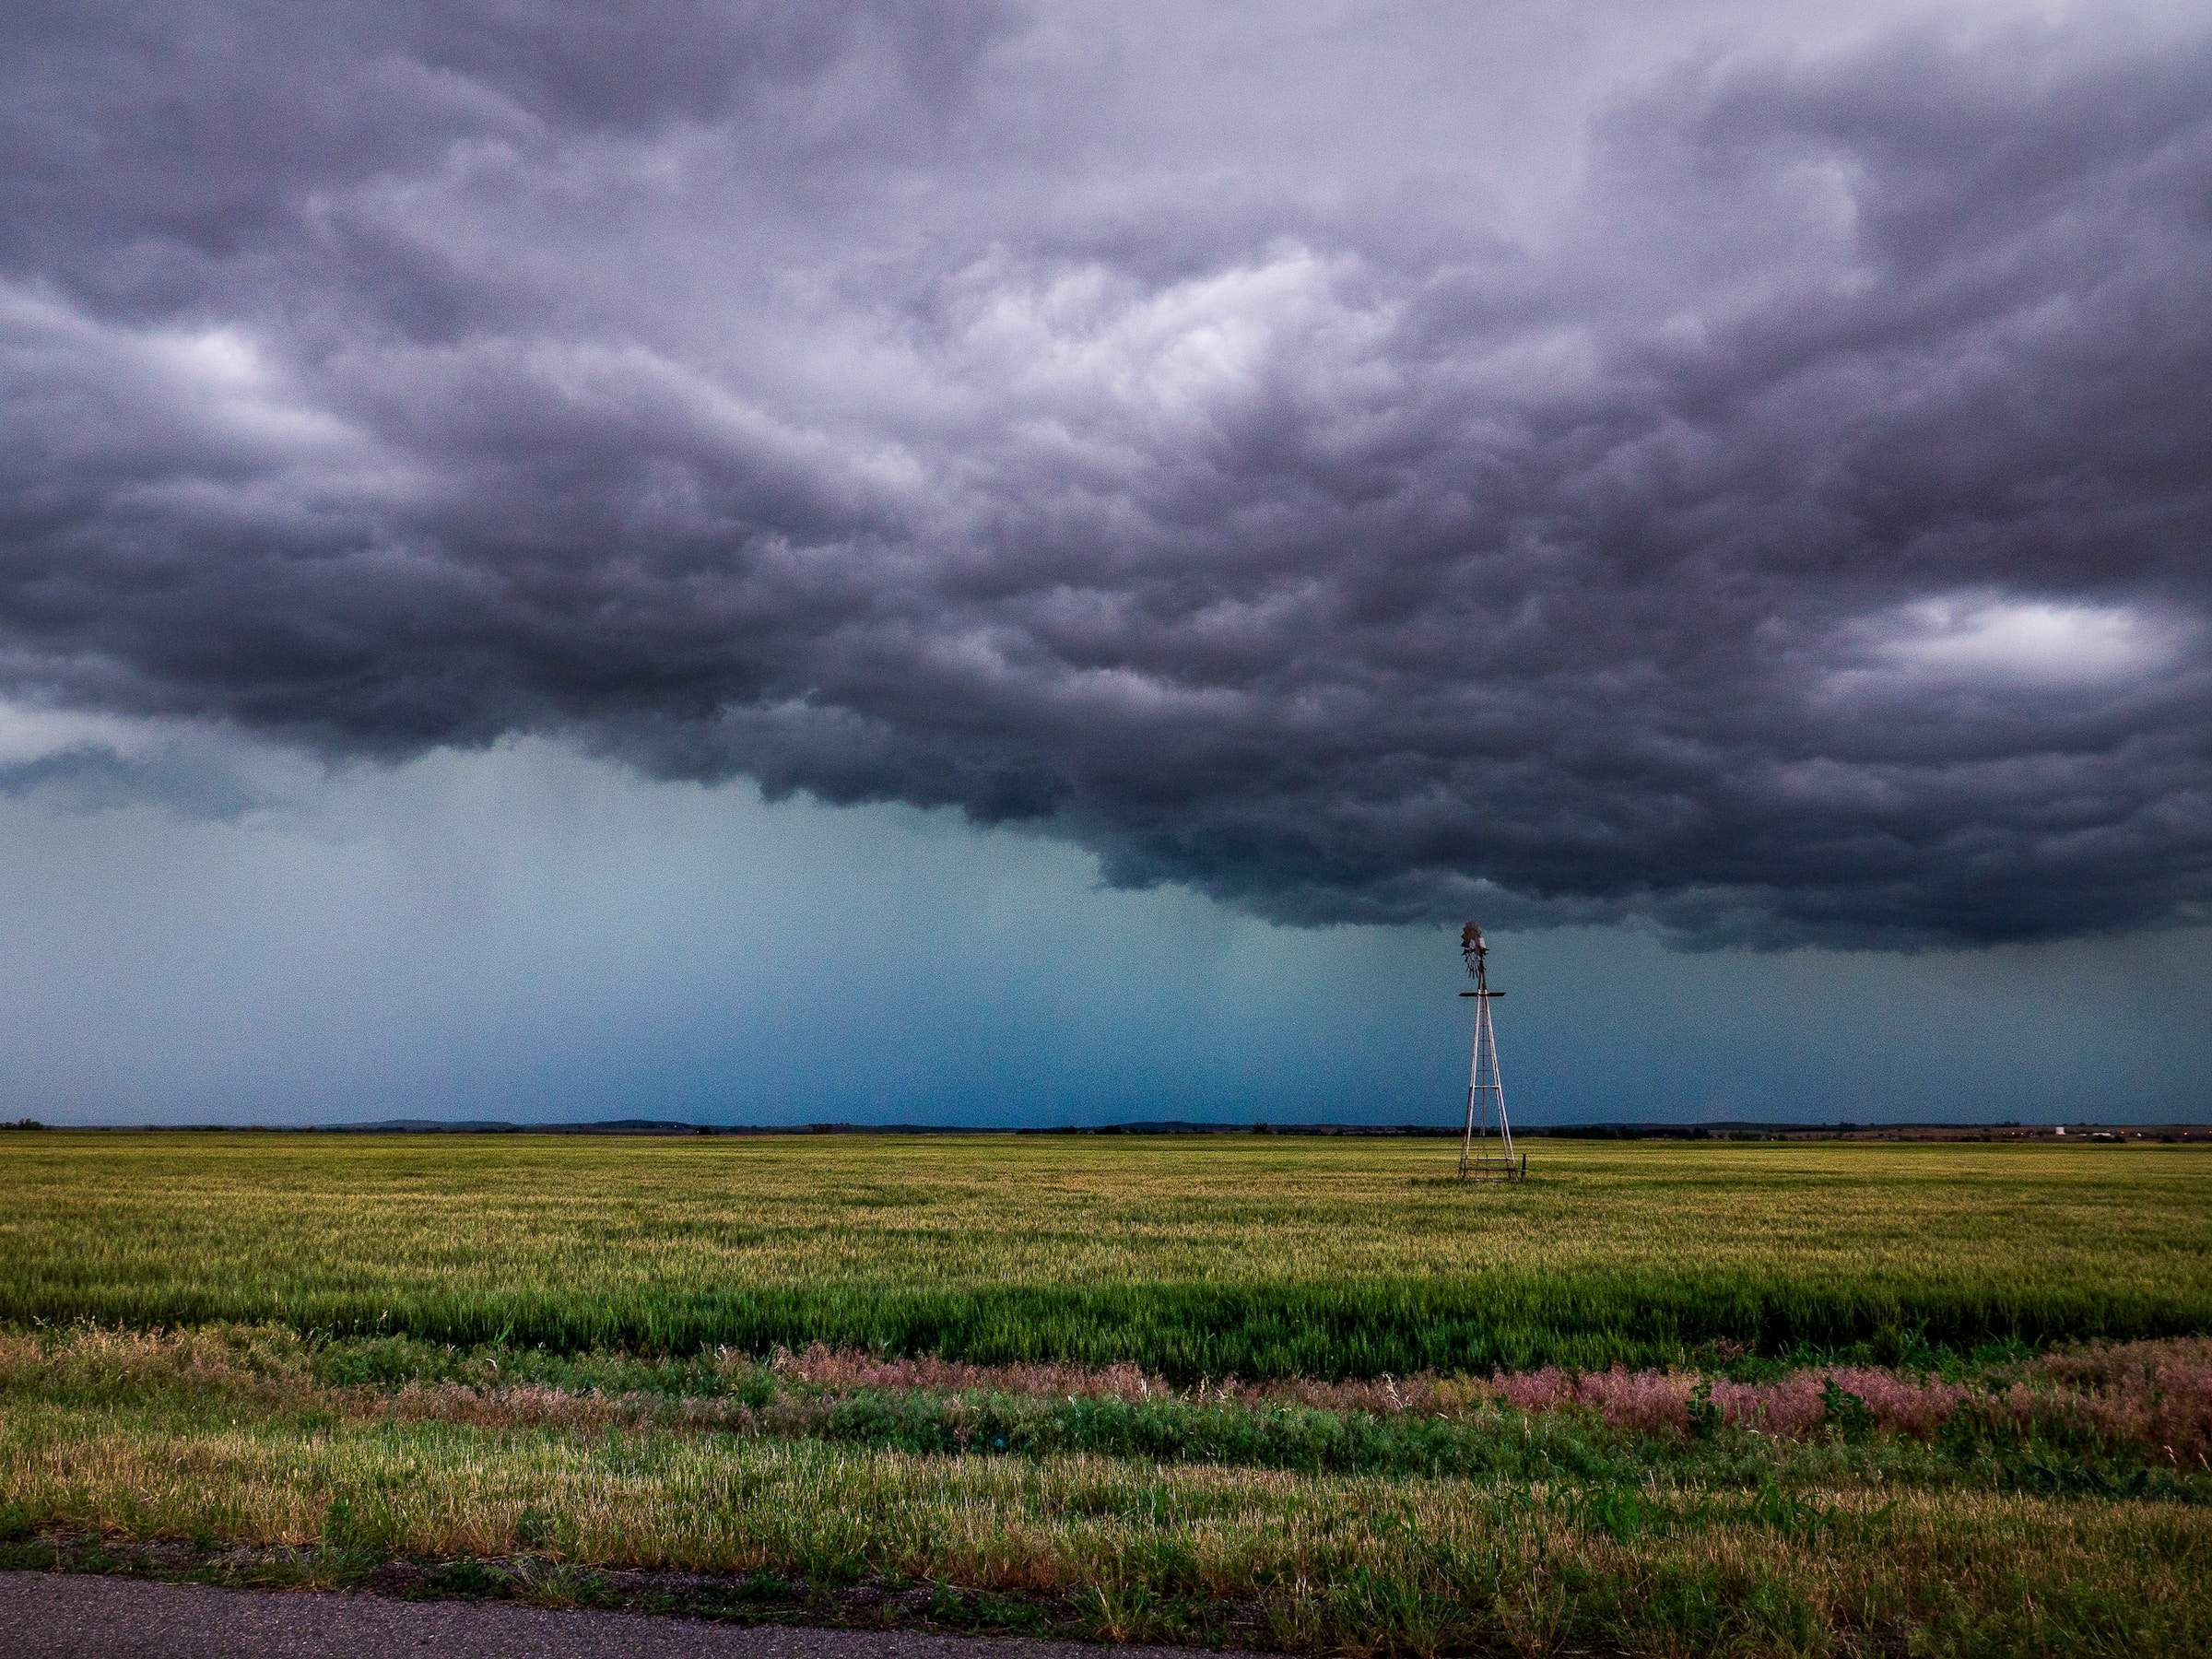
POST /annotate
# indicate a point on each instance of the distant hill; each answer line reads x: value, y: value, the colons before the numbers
x: 493, y: 1126
x: 1716, y: 1130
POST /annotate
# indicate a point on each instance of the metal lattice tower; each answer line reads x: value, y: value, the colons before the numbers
x: 1485, y: 1088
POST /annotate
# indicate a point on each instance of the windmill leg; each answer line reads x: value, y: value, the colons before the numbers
x: 1466, y: 1139
x: 1505, y: 1129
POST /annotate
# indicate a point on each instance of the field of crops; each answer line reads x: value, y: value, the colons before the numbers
x: 1290, y: 1394
x: 1251, y: 1257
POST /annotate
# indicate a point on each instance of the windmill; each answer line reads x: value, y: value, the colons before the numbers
x: 1486, y: 1088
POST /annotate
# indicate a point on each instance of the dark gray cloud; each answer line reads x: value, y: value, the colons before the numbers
x: 1365, y: 468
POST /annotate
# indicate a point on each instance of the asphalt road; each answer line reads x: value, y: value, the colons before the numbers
x: 74, y: 1616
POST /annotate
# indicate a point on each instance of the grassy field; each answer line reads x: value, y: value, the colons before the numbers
x: 1273, y: 1393
x: 1252, y: 1256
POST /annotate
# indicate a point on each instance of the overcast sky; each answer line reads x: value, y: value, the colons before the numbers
x: 987, y: 562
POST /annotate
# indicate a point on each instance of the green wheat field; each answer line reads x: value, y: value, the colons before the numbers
x: 1293, y: 1394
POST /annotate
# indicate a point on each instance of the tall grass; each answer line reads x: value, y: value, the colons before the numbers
x: 1617, y: 1560
x: 1246, y: 1257
x: 2138, y: 1423
x: 1635, y: 1406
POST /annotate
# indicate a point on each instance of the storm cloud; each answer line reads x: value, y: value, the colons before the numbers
x: 1365, y: 469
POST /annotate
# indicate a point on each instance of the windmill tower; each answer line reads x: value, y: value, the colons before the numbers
x: 1486, y: 1088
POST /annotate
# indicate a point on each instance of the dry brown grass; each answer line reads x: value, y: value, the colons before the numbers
x: 1527, y: 1568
